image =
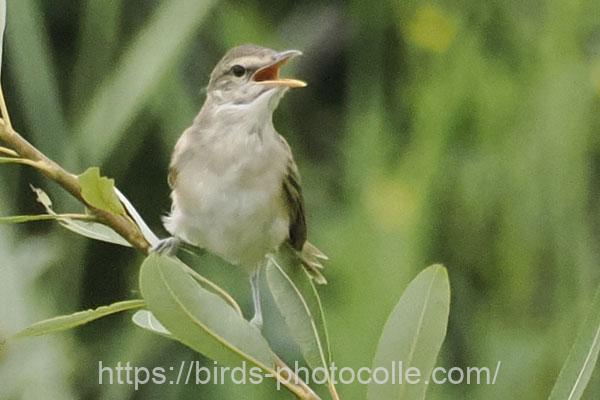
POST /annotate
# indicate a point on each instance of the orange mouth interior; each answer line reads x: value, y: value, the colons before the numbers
x: 270, y: 74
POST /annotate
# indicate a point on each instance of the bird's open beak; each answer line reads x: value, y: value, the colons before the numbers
x: 269, y: 74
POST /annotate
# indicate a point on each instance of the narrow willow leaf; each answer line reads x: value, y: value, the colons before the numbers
x: 297, y: 315
x: 300, y: 305
x: 198, y: 318
x: 65, y: 322
x: 287, y: 260
x: 99, y: 191
x: 146, y: 231
x: 213, y: 287
x: 96, y: 231
x: 92, y: 230
x: 577, y: 369
x: 413, y: 335
x: 146, y: 320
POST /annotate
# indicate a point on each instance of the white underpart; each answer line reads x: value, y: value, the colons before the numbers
x: 228, y: 195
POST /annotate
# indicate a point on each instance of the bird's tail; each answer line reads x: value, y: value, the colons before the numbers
x: 312, y: 258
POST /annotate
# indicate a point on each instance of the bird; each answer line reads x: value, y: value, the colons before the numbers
x: 235, y: 186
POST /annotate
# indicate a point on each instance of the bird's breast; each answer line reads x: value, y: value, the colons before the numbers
x: 228, y: 197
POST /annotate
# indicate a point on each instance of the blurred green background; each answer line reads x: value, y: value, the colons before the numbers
x: 465, y: 133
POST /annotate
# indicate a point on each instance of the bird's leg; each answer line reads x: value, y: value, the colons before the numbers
x: 167, y: 246
x: 257, y: 320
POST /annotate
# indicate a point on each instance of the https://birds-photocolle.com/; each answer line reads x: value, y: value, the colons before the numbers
x: 235, y: 185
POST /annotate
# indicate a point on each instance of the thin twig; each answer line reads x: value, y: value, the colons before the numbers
x: 17, y: 219
x: 8, y: 152
x: 18, y: 160
x: 4, y: 109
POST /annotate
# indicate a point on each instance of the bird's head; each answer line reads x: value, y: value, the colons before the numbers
x: 248, y: 77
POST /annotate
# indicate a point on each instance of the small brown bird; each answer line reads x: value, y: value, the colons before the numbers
x: 235, y: 185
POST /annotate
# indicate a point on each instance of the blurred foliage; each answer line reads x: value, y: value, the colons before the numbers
x: 431, y: 131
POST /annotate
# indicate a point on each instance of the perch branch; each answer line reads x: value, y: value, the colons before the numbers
x: 35, y: 158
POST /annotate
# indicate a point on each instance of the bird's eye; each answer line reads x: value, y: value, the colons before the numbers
x: 238, y: 70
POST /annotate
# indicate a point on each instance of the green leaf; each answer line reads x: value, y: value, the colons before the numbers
x: 148, y: 57
x: 65, y: 322
x: 96, y: 231
x: 99, y: 191
x: 414, y: 334
x: 92, y: 230
x: 213, y: 287
x: 146, y: 320
x: 577, y: 369
x: 43, y: 198
x: 299, y: 303
x: 198, y: 318
x: 297, y: 314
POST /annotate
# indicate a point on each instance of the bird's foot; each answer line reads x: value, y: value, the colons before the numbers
x: 167, y: 247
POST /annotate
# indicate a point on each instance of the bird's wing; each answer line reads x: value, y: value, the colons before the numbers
x: 295, y: 202
x: 307, y: 253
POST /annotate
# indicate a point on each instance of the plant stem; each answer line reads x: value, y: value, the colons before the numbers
x: 18, y: 160
x: 17, y: 219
